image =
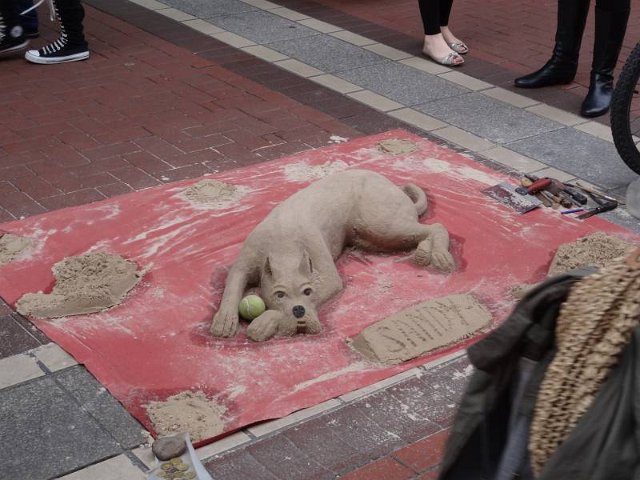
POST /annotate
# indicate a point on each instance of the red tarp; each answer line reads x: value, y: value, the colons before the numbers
x: 156, y: 344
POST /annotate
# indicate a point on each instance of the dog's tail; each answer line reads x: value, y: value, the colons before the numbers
x: 417, y: 196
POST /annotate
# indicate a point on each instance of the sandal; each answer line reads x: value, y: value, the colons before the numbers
x: 459, y: 47
x: 452, y: 59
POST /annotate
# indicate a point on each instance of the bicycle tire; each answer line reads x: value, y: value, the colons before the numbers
x: 621, y: 109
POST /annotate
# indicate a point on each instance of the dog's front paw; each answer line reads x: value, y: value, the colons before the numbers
x: 225, y: 323
x: 265, y: 326
x: 443, y: 261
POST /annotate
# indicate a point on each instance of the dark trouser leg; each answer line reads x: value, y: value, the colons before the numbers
x: 12, y: 38
x: 29, y: 20
x: 562, y: 67
x: 71, y: 15
x: 8, y: 16
x: 445, y: 11
x: 611, y: 25
x: 430, y: 13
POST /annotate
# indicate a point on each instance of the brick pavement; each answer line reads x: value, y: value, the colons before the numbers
x: 507, y: 39
x: 159, y: 102
x: 141, y: 113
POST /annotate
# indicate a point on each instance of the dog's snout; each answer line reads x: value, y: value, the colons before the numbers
x: 298, y: 311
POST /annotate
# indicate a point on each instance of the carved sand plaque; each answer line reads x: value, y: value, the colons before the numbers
x: 422, y: 328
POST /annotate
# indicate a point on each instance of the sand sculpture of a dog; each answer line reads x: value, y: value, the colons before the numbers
x: 291, y: 254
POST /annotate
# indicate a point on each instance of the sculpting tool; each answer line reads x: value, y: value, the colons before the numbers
x: 600, y: 209
x: 574, y: 210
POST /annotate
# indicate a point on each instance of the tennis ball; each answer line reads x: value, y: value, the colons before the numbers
x: 251, y: 307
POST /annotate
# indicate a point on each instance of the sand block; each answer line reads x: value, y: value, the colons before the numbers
x: 422, y: 328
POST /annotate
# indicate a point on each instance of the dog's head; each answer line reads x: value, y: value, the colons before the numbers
x: 287, y: 285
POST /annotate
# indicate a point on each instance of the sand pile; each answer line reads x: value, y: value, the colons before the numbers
x: 214, y: 194
x: 397, y: 146
x: 597, y: 249
x: 422, y: 328
x: 190, y: 412
x: 300, y: 172
x: 84, y: 284
x: 11, y: 246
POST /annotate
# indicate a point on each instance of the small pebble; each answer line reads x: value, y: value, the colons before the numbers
x: 166, y: 448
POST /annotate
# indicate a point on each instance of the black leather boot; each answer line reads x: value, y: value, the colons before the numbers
x: 611, y: 25
x: 562, y: 67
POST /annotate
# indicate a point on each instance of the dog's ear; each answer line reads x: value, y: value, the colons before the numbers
x: 306, y: 266
x: 267, y: 270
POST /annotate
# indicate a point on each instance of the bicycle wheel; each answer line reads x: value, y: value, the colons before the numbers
x: 625, y: 112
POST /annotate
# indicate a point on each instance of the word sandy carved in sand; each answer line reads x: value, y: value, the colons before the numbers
x: 11, y: 246
x: 291, y: 253
x: 84, y: 284
x: 422, y: 328
x: 189, y: 412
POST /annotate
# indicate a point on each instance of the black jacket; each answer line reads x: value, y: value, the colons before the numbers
x: 605, y: 444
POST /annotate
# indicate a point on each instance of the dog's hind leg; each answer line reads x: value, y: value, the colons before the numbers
x: 431, y: 241
x: 434, y: 248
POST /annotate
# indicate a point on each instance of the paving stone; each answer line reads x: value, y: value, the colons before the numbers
x: 263, y: 27
x: 53, y: 357
x: 238, y: 465
x: 396, y: 417
x: 205, y: 9
x: 222, y: 445
x: 322, y: 443
x: 374, y: 100
x: 116, y: 468
x: 425, y: 454
x: 266, y: 428
x: 621, y: 216
x: 18, y: 369
x: 175, y: 14
x: 386, y: 468
x: 327, y: 53
x: 580, y: 154
x: 288, y: 13
x: 361, y: 433
x: 450, y: 379
x: 488, y: 118
x: 402, y: 83
x: 45, y: 434
x: 320, y: 26
x: 388, y: 52
x: 425, y: 401
x: 353, y: 38
x: 282, y: 458
x: 102, y: 406
x: 13, y: 338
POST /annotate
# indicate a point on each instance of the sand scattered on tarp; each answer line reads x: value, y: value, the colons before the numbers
x: 84, y: 284
x: 396, y: 146
x: 300, y: 172
x: 190, y: 412
x: 596, y: 249
x: 11, y: 246
x: 214, y: 194
x: 422, y: 328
